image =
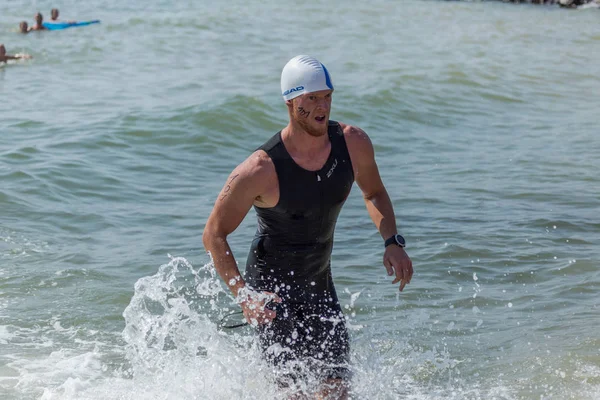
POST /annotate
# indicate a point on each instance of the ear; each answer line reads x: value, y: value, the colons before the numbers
x: 289, y: 104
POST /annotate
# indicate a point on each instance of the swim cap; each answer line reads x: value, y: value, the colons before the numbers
x: 304, y: 74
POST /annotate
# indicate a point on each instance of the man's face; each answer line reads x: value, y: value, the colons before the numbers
x: 311, y: 111
x: 39, y: 18
x: 2, y: 50
x: 54, y: 13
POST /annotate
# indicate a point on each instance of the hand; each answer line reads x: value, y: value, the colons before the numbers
x: 398, y: 263
x: 255, y: 311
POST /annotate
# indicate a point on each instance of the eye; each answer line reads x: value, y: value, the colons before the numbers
x: 312, y: 97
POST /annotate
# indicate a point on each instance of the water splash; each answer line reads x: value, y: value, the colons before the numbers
x: 174, y: 348
x: 172, y: 334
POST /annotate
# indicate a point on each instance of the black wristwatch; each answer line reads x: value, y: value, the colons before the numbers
x: 397, y: 240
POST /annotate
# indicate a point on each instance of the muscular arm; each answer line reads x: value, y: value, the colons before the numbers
x: 377, y: 200
x: 369, y: 181
x: 247, y: 184
x: 226, y: 216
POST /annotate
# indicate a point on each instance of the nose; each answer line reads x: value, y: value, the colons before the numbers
x: 324, y: 104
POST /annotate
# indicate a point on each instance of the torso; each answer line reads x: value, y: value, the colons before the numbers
x: 297, y: 215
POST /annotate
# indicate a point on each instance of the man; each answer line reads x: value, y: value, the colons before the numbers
x: 5, y: 57
x: 54, y: 15
x: 39, y: 20
x: 23, y: 27
x: 298, y: 182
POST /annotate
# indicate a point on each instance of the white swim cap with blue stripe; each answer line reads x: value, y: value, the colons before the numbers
x: 304, y: 74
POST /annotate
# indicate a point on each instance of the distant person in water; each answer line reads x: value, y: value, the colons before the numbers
x: 39, y: 19
x: 24, y: 27
x: 54, y: 15
x: 5, y: 57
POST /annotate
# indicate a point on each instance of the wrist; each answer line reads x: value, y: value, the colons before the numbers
x: 396, y: 239
x: 236, y: 285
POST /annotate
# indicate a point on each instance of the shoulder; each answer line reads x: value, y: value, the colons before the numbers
x: 258, y: 163
x: 358, y: 142
x: 254, y: 180
x: 256, y: 170
x: 353, y: 132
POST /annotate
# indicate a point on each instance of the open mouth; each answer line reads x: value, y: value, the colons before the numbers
x: 320, y: 118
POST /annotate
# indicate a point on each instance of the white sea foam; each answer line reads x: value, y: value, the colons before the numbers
x: 174, y: 349
x: 5, y: 335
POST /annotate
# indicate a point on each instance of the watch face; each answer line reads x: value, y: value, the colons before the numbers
x: 400, y: 240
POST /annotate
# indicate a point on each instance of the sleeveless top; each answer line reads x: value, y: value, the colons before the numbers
x: 291, y: 251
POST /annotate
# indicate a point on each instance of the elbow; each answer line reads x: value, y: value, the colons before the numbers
x: 207, y: 238
x: 368, y: 197
x: 210, y: 236
x: 374, y: 195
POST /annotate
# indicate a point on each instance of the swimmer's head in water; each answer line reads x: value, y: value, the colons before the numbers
x: 304, y: 74
x: 54, y: 13
x: 2, y: 50
x: 23, y: 27
x: 39, y: 18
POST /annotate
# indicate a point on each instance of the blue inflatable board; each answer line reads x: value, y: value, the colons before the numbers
x: 54, y: 26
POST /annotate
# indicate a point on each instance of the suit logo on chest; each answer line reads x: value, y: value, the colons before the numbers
x: 332, y: 168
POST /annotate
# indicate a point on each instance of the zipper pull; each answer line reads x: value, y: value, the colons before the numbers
x: 318, y: 178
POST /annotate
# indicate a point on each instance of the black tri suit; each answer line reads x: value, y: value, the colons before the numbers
x: 291, y: 256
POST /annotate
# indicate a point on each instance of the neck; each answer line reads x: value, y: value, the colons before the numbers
x: 296, y: 138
